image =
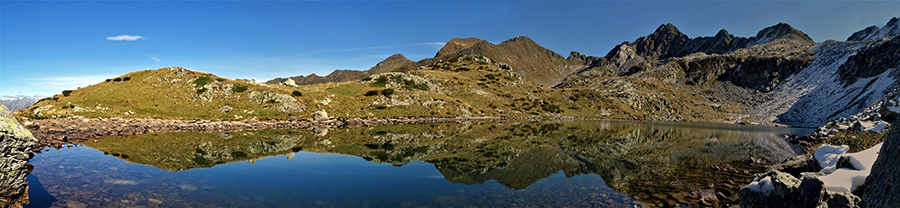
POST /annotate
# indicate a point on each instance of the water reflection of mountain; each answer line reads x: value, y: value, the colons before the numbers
x: 658, y: 164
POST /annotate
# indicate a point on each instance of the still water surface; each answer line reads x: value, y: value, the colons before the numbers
x: 480, y: 164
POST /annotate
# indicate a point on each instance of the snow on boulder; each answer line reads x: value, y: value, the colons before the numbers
x: 764, y: 186
x: 846, y: 179
x: 828, y: 156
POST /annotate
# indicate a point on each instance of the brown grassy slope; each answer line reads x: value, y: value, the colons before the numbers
x: 530, y: 60
x: 389, y: 64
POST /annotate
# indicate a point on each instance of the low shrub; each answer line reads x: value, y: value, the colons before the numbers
x: 107, y: 80
x: 858, y: 141
x: 201, y: 90
x: 239, y: 89
x: 220, y: 79
x: 387, y: 92
x: 200, y: 81
x: 66, y: 92
x: 117, y: 79
x: 297, y: 93
x: 372, y: 93
x: 126, y: 78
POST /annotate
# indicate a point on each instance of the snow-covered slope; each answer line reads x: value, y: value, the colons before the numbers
x: 816, y: 95
x: 892, y: 28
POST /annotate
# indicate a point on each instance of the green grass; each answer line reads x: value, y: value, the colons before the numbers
x: 200, y: 81
x: 856, y: 140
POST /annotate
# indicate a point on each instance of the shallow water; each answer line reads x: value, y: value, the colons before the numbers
x: 481, y: 164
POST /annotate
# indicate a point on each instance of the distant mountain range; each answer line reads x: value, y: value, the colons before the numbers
x: 778, y: 76
x: 19, y: 103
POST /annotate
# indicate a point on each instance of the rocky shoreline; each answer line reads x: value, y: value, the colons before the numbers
x: 57, y: 132
x: 15, y: 150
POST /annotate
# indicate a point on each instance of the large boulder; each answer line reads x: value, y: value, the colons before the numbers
x: 778, y: 189
x: 15, y: 151
x: 883, y: 183
x: 281, y: 102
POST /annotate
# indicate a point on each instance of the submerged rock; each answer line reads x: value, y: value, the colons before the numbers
x: 15, y: 151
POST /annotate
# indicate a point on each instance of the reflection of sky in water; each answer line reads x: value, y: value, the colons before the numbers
x: 654, y: 162
x: 84, y: 176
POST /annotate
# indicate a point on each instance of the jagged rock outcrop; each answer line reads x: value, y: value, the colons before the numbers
x: 15, y: 151
x: 892, y: 28
x: 667, y: 41
x: 871, y: 60
x: 882, y: 189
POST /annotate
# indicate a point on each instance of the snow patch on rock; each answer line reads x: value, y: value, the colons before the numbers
x: 829, y: 155
x: 846, y: 179
x: 764, y: 186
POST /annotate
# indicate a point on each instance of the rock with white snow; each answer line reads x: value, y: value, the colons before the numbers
x: 828, y: 156
x: 883, y: 183
x: 848, y: 179
x: 778, y: 189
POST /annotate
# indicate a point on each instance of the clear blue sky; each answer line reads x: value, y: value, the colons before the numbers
x: 47, y: 47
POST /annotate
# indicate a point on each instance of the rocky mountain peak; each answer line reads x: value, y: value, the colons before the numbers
x: 892, y: 28
x: 722, y: 34
x: 519, y: 40
x: 780, y: 31
x: 664, y: 42
x: 457, y: 44
x: 668, y: 28
x: 390, y: 63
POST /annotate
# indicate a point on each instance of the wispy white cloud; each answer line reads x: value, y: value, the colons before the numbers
x: 429, y: 44
x: 126, y: 38
x: 155, y: 58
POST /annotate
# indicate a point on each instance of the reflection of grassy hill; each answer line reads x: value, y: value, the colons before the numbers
x: 177, y: 151
x: 654, y: 163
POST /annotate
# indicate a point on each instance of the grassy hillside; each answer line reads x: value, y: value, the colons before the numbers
x: 466, y: 86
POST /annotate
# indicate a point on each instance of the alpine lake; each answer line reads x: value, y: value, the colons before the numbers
x: 473, y: 164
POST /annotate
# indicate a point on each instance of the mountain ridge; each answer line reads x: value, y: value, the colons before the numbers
x: 779, y: 76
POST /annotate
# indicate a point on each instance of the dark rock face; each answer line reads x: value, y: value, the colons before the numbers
x: 15, y: 151
x: 883, y: 183
x: 665, y: 42
x: 765, y: 73
x: 870, y: 61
